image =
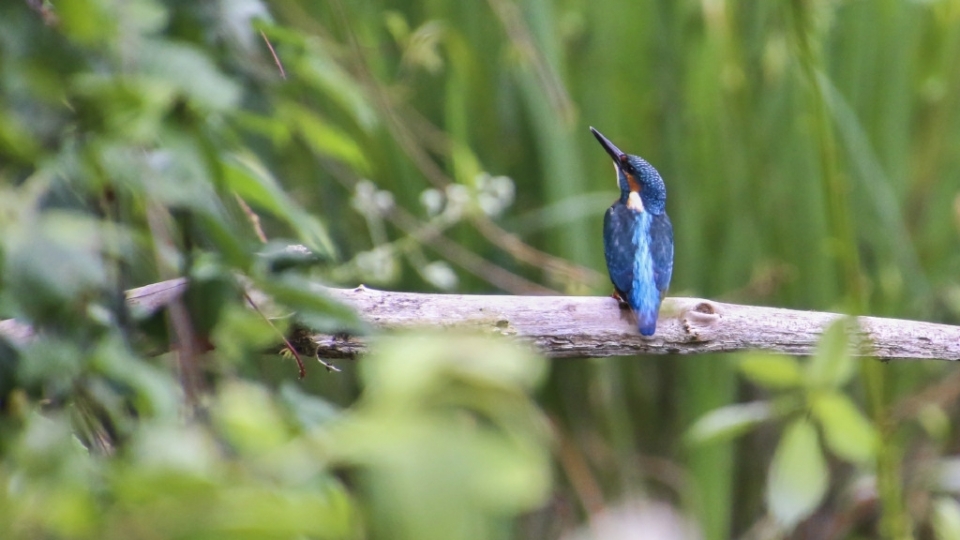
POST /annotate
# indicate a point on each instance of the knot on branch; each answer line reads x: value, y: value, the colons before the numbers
x: 700, y: 321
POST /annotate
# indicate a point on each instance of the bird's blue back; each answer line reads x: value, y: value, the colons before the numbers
x: 638, y: 246
x: 638, y: 236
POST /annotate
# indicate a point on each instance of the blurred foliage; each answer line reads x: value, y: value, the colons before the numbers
x: 809, y: 152
x: 264, y: 463
x: 797, y: 479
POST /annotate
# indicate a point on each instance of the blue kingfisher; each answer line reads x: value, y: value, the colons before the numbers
x: 638, y: 237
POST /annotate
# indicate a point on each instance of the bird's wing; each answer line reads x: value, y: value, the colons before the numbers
x: 661, y: 249
x: 620, y: 247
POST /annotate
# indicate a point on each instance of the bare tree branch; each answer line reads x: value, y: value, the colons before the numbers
x: 583, y: 326
x: 578, y: 326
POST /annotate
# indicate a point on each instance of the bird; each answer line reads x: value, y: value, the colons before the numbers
x: 638, y: 237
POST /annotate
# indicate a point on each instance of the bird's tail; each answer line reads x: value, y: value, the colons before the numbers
x: 645, y: 302
x: 647, y: 322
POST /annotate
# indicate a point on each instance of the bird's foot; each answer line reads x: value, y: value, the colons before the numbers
x: 626, y: 314
x: 623, y: 303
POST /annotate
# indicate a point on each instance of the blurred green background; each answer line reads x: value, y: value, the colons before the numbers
x: 810, y: 154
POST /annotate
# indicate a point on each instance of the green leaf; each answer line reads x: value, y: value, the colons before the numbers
x: 798, y: 477
x: 231, y: 246
x: 253, y: 183
x: 323, y: 137
x: 479, y: 360
x: 243, y: 333
x: 847, y: 433
x: 273, y: 128
x: 308, y: 410
x: 447, y: 421
x: 771, y: 370
x: 935, y: 421
x: 151, y: 390
x: 88, y: 22
x: 321, y: 72
x: 248, y: 418
x: 313, y: 307
x: 53, y: 260
x: 422, y: 47
x: 191, y: 71
x: 832, y: 366
x: 946, y: 519
x: 278, y: 256
x: 16, y: 141
x: 133, y: 109
x: 728, y: 422
x: 397, y: 26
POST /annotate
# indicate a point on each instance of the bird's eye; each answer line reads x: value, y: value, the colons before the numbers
x: 625, y: 163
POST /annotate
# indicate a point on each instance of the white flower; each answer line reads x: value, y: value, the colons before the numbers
x: 383, y: 201
x: 440, y: 275
x: 432, y: 201
x: 378, y: 265
x: 458, y: 197
x: 495, y: 195
x: 368, y: 200
x: 363, y: 194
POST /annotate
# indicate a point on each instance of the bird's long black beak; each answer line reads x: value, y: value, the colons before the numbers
x: 615, y: 153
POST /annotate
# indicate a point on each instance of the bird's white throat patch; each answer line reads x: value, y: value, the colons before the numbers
x: 634, y: 203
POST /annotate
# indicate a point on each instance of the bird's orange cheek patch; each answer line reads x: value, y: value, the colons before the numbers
x: 634, y: 202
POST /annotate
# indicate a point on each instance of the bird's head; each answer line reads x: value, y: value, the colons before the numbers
x: 635, y: 175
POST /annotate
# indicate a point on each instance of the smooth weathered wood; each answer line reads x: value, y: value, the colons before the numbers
x: 581, y: 326
x: 578, y: 326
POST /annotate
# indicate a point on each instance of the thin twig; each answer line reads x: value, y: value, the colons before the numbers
x: 940, y: 394
x: 286, y: 343
x: 525, y: 253
x: 577, y: 470
x: 523, y: 41
x: 276, y: 59
x: 182, y: 329
x: 253, y: 217
x: 470, y: 261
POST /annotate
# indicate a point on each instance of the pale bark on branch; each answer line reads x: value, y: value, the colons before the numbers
x: 581, y: 326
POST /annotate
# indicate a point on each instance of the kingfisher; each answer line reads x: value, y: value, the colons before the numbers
x: 638, y: 237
